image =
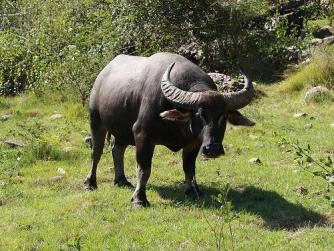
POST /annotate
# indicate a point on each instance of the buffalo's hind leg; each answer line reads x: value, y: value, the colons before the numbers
x: 118, y: 157
x: 98, y: 138
x: 189, y: 161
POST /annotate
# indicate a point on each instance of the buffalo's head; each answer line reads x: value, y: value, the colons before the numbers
x: 207, y: 111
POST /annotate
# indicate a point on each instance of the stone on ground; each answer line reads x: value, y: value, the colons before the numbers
x: 312, y: 92
x: 56, y: 116
x: 300, y: 114
x: 13, y: 144
x: 254, y: 161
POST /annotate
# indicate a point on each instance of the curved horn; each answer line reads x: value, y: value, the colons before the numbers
x: 239, y: 99
x: 183, y: 99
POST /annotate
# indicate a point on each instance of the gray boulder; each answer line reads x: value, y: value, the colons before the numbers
x: 6, y: 117
x: 316, y: 41
x: 300, y: 114
x: 314, y: 91
x: 13, y: 144
x: 328, y: 40
x: 191, y: 51
x: 56, y: 116
x: 254, y: 161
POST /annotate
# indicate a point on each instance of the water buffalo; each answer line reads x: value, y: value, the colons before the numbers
x: 165, y: 100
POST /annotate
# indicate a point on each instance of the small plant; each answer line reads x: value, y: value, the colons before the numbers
x: 322, y: 167
x: 221, y: 228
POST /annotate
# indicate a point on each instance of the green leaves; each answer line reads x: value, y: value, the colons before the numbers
x: 322, y: 167
x: 221, y: 228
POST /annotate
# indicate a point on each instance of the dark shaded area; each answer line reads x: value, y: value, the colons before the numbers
x: 277, y: 212
x: 176, y: 194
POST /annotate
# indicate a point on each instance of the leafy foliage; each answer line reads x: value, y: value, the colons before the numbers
x: 221, y: 228
x: 322, y: 167
x: 62, y: 44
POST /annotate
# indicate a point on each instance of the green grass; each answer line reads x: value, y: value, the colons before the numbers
x: 320, y: 71
x: 319, y: 23
x: 39, y: 213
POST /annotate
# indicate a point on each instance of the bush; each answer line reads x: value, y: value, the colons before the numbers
x: 62, y: 45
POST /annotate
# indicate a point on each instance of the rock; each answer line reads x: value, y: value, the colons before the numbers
x: 254, y: 161
x: 328, y: 40
x: 305, y: 56
x: 57, y: 178
x: 316, y: 41
x: 306, y: 61
x: 56, y: 116
x: 13, y: 144
x: 332, y: 125
x: 61, y: 170
x: 308, y: 126
x: 300, y: 114
x: 191, y: 51
x: 318, y: 90
x: 225, y: 83
x: 253, y: 136
x: 300, y: 190
x: 6, y: 117
x: 219, y: 78
x: 323, y: 32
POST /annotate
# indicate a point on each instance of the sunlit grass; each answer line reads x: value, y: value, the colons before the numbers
x: 39, y: 212
x: 320, y: 71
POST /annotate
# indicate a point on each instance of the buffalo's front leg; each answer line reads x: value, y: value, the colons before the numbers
x: 189, y: 161
x: 144, y: 153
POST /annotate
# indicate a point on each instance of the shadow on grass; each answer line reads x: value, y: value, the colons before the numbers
x: 277, y: 212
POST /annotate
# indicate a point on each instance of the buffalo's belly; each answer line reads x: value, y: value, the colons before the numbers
x: 173, y: 146
x: 121, y: 128
x: 174, y: 137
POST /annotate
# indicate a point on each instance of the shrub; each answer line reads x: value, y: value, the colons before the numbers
x: 62, y: 45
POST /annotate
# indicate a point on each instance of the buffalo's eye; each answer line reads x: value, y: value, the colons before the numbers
x: 203, y: 115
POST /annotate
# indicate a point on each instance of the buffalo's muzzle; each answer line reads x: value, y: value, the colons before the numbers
x: 213, y: 150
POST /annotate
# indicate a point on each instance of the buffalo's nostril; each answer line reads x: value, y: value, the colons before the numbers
x: 213, y: 150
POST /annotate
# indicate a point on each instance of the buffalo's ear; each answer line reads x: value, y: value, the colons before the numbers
x: 175, y: 115
x: 236, y: 118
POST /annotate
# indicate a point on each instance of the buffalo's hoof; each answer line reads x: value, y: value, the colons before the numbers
x: 139, y: 200
x: 193, y: 192
x: 90, y: 185
x: 123, y: 182
x: 139, y: 203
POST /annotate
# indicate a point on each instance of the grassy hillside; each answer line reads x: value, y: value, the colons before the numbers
x: 44, y: 209
x: 319, y: 71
